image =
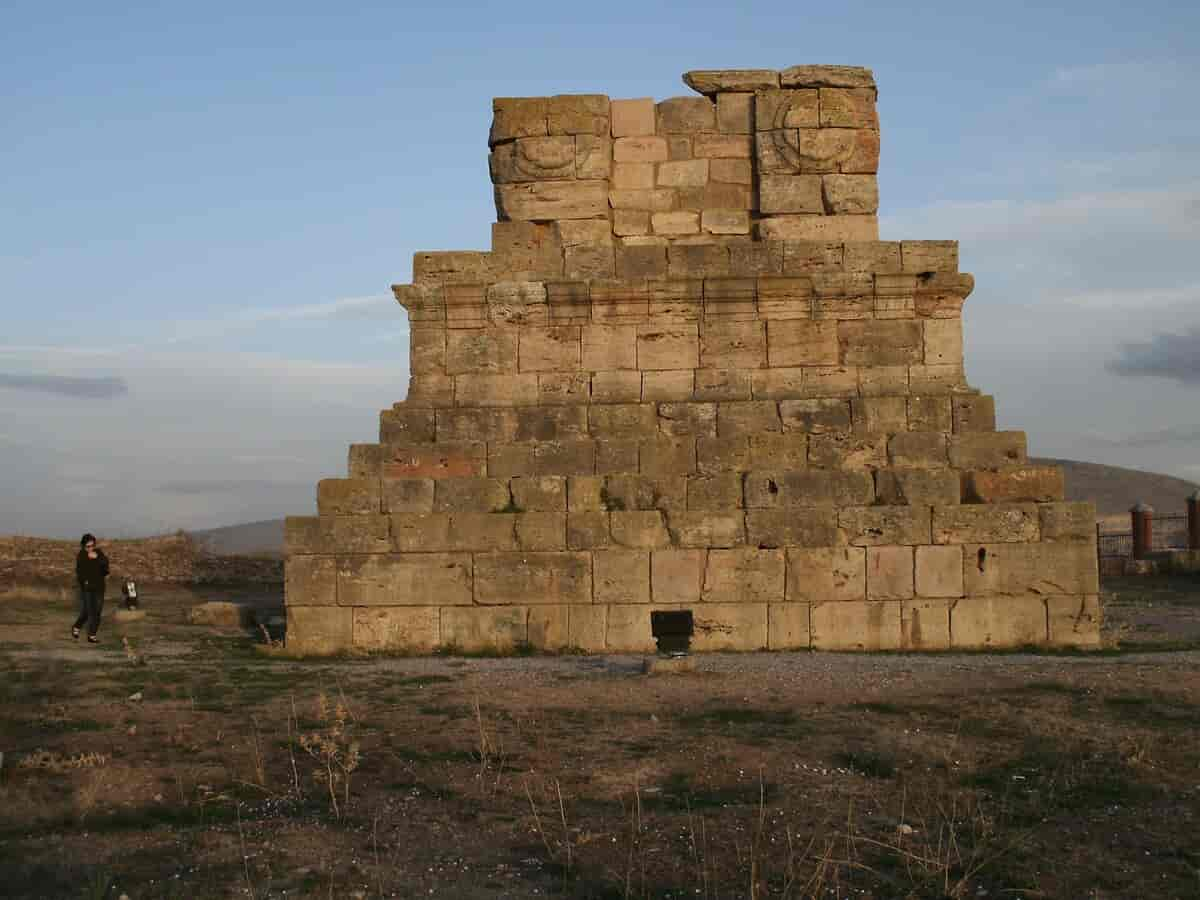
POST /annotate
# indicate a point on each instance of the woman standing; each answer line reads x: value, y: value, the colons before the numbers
x: 91, y: 568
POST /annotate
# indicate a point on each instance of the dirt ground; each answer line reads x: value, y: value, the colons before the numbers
x: 189, y: 764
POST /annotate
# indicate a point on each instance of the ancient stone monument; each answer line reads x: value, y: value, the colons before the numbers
x: 689, y: 375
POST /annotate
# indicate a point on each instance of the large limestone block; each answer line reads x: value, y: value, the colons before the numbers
x: 714, y: 81
x: 788, y: 626
x: 944, y: 346
x: 348, y: 496
x: 793, y: 151
x: 477, y: 424
x: 987, y: 450
x: 496, y: 390
x: 473, y: 630
x: 819, y: 228
x: 880, y: 342
x: 548, y: 627
x: 748, y: 417
x: 916, y: 487
x: 986, y: 523
x: 847, y: 451
x: 821, y: 575
x: 683, y: 419
x: 608, y: 347
x: 485, y: 495
x: 630, y: 420
x: 667, y: 456
x: 925, y: 624
x: 517, y: 303
x: 940, y: 295
x: 790, y: 489
x: 804, y: 258
x: 939, y: 379
x: 641, y: 529
x: 479, y: 350
x: 730, y: 626
x: 816, y: 416
x: 815, y: 527
x: 778, y: 384
x: 427, y: 348
x: 881, y: 381
x: 512, y: 578
x: 336, y: 534
x: 992, y: 622
x: 565, y: 457
x: 858, y: 625
x: 848, y: 108
x: 533, y: 159
x: 515, y: 117
x: 939, y: 572
x: 587, y: 530
x: 686, y: 115
x: 587, y: 627
x: 431, y: 390
x: 725, y: 221
x: 621, y: 576
x: 735, y: 114
x: 622, y: 386
x: 800, y: 342
x: 722, y: 384
x: 404, y: 579
x: 544, y: 201
x: 632, y: 176
x: 717, y: 491
x: 310, y: 580
x: 700, y: 260
x: 687, y: 173
x: 1074, y: 621
x: 1014, y: 484
x: 744, y: 575
x: 632, y: 118
x: 827, y: 76
x: 628, y: 627
x: 790, y: 194
x: 706, y: 529
x: 848, y: 195
x: 640, y: 150
x: 733, y: 345
x: 404, y: 629
x: 578, y: 114
x: 890, y: 573
x: 920, y: 257
x: 430, y: 533
x: 668, y: 346
x: 553, y: 349
x: 539, y: 493
x: 676, y: 576
x: 721, y: 146
x: 879, y: 414
x: 872, y: 526
x: 880, y: 257
x: 1075, y: 522
x: 785, y: 297
x: 407, y: 425
x: 593, y: 156
x: 930, y: 414
x: 319, y: 630
x: 538, y: 423
x: 1043, y: 568
x: 972, y: 412
x: 785, y: 109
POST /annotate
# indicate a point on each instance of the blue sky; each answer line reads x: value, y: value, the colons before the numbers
x: 202, y: 208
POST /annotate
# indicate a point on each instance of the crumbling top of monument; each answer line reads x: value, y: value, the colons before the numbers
x: 715, y: 81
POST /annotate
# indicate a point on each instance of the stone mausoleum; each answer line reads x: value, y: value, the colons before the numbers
x: 689, y: 375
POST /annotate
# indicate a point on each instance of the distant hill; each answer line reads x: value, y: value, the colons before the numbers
x: 1114, y: 489
x: 1111, y: 488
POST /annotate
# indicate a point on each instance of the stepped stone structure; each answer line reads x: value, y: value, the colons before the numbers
x: 688, y: 374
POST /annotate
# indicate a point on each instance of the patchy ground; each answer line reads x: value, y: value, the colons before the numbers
x: 193, y: 766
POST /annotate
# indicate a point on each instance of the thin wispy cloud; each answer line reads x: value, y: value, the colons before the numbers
x: 66, y: 385
x: 1135, y: 298
x: 365, y: 308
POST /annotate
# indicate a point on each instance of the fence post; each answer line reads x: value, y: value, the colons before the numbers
x: 1142, y: 521
x: 1098, y: 556
x: 1193, y: 508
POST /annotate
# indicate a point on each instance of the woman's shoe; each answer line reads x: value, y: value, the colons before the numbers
x: 92, y: 639
x: 75, y: 633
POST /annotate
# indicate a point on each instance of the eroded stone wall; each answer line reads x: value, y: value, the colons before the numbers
x: 688, y: 375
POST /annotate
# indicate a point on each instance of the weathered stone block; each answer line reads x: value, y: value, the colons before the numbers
x: 1014, y: 484
x: 827, y: 76
x: 720, y: 491
x: 919, y: 257
x: 348, y: 497
x: 790, y: 194
x: 725, y: 221
x: 778, y: 451
x: 706, y: 529
x: 630, y: 222
x: 471, y: 495
x: 593, y: 156
x: 404, y: 579
x: 578, y: 114
x: 407, y: 425
x: 882, y: 381
x: 697, y: 260
x: 527, y: 578
x: 607, y: 347
x: 939, y: 572
x: 748, y: 417
x: 514, y: 117
x: 1075, y: 522
x: 536, y: 423
x: 722, y: 384
x: 628, y: 628
x: 553, y: 349
x: 621, y: 576
x: 683, y: 173
x: 640, y: 150
x: 744, y: 575
x: 925, y: 624
x: 496, y: 390
x: 814, y: 527
x: 540, y: 530
x: 847, y: 451
x: 617, y: 456
x: 737, y: 345
x: 640, y: 529
x: 319, y: 630
x: 788, y: 626
x: 879, y: 415
x: 667, y: 386
x: 686, y: 115
x: 730, y: 626
x: 987, y: 450
x: 943, y: 342
x: 715, y: 454
x: 849, y: 195
x: 916, y: 487
x: 800, y: 342
x: 881, y: 257
x: 777, y: 384
x: 715, y: 81
x: 548, y: 627
x: 889, y: 573
x: 848, y: 108
x: 831, y: 381
x: 587, y: 627
x: 632, y: 118
x: 587, y: 530
x: 310, y: 580
x: 683, y: 419
x: 667, y: 347
x: 404, y: 629
x: 721, y: 146
x: 886, y: 342
x: 539, y: 493
x: 1074, y: 621
x: 472, y: 630
x: 818, y: 228
x: 984, y: 622
x: 929, y: 414
x: 623, y: 420
x: 544, y: 201
x: 936, y: 379
x: 478, y: 350
x: 533, y: 159
x: 633, y: 176
x: 786, y: 297
x: 787, y: 489
x: 856, y: 625
x: 986, y: 523
x: 973, y: 412
x: 871, y: 526
x: 617, y: 387
x: 826, y: 574
x: 667, y: 456
x: 735, y: 113
x: 918, y: 450
x: 824, y: 416
x: 1044, y: 568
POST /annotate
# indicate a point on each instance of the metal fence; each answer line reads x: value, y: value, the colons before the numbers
x: 1167, y: 533
x: 1114, y: 544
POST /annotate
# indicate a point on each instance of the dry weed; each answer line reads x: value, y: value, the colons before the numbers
x: 335, y: 750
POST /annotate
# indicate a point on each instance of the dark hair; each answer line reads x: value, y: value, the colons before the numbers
x: 83, y: 541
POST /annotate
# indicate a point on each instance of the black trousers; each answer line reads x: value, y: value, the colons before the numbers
x: 90, y: 605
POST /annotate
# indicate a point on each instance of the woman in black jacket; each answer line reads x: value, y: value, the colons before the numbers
x: 91, y: 568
